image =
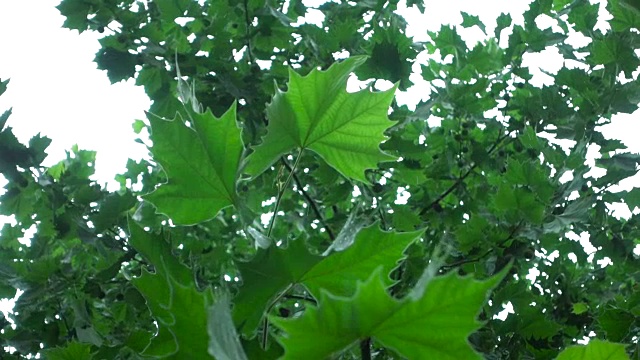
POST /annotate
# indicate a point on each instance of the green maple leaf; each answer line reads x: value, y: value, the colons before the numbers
x: 469, y: 20
x: 372, y: 248
x: 270, y: 272
x: 274, y: 270
x: 616, y: 323
x: 432, y: 323
x: 391, y: 53
x: 73, y: 351
x: 171, y: 9
x: 318, y: 114
x: 179, y: 308
x: 75, y: 13
x: 201, y: 164
x: 595, y: 350
x: 3, y: 88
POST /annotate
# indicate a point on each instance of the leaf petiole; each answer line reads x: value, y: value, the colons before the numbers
x: 281, y: 190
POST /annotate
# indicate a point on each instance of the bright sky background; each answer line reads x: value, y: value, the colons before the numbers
x: 57, y: 90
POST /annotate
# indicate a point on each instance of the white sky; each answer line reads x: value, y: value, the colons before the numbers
x: 57, y: 90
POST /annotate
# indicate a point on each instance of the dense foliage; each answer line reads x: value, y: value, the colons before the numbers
x: 397, y: 233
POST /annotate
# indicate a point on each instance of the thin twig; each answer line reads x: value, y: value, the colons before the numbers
x: 265, y: 324
x: 283, y: 188
x: 486, y: 253
x: 461, y: 178
x: 281, y: 192
x: 248, y: 25
x: 311, y: 202
x: 302, y: 297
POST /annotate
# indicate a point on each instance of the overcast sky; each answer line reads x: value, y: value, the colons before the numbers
x: 57, y: 90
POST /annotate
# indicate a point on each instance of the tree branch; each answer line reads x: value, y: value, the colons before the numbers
x: 486, y: 253
x: 365, y: 349
x: 461, y: 178
x: 310, y: 202
x: 282, y: 190
x: 248, y: 34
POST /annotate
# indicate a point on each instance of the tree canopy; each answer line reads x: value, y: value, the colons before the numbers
x: 282, y: 214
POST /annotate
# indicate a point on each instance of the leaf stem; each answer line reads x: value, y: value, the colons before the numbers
x: 247, y: 33
x: 265, y: 324
x: 283, y: 188
x: 303, y: 298
x: 281, y: 192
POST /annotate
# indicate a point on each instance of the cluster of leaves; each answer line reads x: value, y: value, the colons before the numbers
x: 279, y: 231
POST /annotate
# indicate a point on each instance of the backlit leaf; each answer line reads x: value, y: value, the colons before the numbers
x: 595, y: 350
x: 73, y: 351
x: 270, y: 272
x: 435, y: 324
x: 317, y: 113
x: 224, y: 343
x: 371, y: 249
x: 201, y: 163
x: 275, y: 269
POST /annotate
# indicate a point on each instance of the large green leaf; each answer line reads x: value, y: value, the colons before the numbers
x: 317, y: 113
x: 275, y: 269
x: 595, y: 350
x: 372, y: 247
x: 73, y: 351
x: 433, y: 323
x: 270, y: 272
x: 201, y: 163
x: 171, y: 9
x: 179, y: 308
x: 616, y: 323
